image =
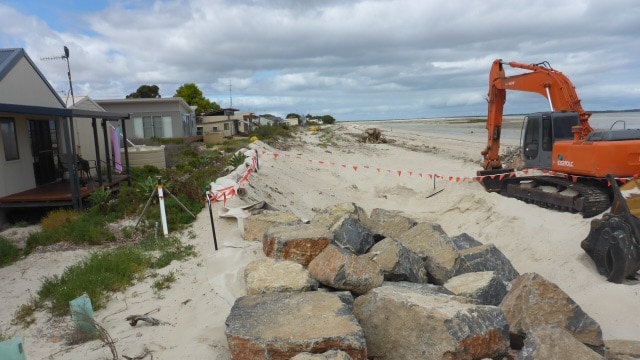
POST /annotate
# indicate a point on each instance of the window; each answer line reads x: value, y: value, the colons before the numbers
x: 547, y: 136
x: 152, y: 126
x: 531, y: 135
x: 187, y: 125
x: 226, y: 126
x: 9, y: 139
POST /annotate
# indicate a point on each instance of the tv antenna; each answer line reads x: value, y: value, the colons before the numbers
x: 230, y: 98
x: 65, y: 56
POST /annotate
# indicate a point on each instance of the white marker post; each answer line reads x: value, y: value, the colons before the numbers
x: 160, y: 190
x: 163, y: 214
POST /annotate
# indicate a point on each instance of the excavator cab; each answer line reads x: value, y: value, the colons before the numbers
x: 541, y: 131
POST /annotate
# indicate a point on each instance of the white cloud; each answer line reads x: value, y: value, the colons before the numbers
x: 359, y: 59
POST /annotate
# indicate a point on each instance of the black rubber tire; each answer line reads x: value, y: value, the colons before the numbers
x: 617, y: 263
x: 612, y: 250
x: 600, y: 250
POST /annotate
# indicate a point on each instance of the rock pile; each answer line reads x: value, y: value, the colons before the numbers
x: 348, y: 285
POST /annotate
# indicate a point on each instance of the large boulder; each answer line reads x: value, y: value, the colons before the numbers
x: 487, y: 287
x: 550, y: 342
x: 340, y: 269
x: 622, y: 349
x: 485, y: 258
x: 329, y: 216
x: 397, y: 262
x: 269, y: 275
x: 282, y: 325
x: 403, y: 322
x: 465, y: 241
x: 256, y: 226
x: 533, y: 301
x: 431, y: 242
x: 388, y: 223
x: 297, y: 242
x: 349, y: 233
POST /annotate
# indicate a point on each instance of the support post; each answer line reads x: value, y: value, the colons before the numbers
x: 72, y: 166
x: 163, y: 214
x: 97, y: 147
x: 126, y: 149
x: 107, y: 160
x: 257, y: 160
x: 213, y: 228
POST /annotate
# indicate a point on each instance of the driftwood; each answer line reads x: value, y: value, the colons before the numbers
x: 133, y: 319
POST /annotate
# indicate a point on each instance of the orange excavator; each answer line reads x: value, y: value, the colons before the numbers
x: 577, y: 164
x: 560, y: 142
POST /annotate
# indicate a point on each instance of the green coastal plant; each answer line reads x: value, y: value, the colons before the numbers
x: 104, y: 273
x: 236, y: 160
x: 163, y: 282
x: 101, y: 198
x: 9, y: 253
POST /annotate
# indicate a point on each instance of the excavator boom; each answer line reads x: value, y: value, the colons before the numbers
x: 541, y: 79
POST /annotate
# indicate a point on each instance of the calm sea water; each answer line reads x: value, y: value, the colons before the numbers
x: 512, y: 125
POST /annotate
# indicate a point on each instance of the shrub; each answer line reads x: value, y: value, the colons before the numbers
x: 270, y: 132
x: 58, y: 218
x: 237, y: 159
x: 103, y: 273
x: 100, y: 198
x: 89, y: 229
x: 97, y: 276
x: 9, y: 253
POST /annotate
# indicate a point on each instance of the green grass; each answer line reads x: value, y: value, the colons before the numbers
x: 97, y: 276
x: 268, y: 132
x: 26, y: 313
x: 104, y: 273
x: 327, y: 138
x: 163, y: 282
x: 9, y: 253
x: 89, y: 229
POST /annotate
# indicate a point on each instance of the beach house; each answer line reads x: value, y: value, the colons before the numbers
x: 39, y: 158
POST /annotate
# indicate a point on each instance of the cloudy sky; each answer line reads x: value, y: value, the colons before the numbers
x: 352, y: 59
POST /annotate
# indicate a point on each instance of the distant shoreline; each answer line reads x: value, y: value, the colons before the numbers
x: 452, y: 119
x: 473, y: 118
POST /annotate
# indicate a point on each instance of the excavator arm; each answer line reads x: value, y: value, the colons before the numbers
x: 541, y: 79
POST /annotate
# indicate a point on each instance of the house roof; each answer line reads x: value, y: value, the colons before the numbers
x: 10, y: 57
x: 143, y: 100
x: 220, y: 112
x: 84, y: 102
x: 8, y: 60
x: 62, y: 112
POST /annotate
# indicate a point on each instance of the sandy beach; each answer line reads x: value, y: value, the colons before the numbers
x: 425, y: 173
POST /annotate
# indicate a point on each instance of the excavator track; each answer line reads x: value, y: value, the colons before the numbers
x: 588, y: 199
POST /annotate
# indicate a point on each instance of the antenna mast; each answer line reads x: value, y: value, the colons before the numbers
x: 65, y: 56
x: 230, y: 98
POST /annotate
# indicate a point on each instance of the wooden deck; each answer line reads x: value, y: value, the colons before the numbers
x: 55, y: 194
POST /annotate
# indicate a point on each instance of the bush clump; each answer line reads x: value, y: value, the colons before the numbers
x: 97, y: 276
x: 9, y: 253
x: 80, y: 228
x: 58, y: 218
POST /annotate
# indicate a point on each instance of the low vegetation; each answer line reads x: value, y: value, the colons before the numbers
x: 134, y: 252
x: 8, y: 252
x: 104, y: 273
